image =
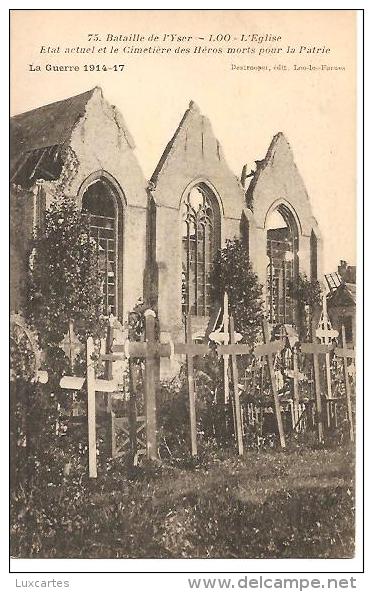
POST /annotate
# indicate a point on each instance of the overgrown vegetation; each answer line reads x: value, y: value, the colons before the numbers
x: 64, y: 286
x: 307, y: 294
x: 65, y: 280
x: 298, y: 503
x: 234, y: 275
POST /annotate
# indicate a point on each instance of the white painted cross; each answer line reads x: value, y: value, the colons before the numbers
x: 93, y: 385
x: 326, y: 334
x: 222, y: 337
x: 325, y: 331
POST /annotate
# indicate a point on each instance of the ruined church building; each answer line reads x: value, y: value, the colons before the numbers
x: 159, y: 237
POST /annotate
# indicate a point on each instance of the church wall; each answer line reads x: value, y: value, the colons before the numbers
x: 258, y: 255
x: 21, y: 231
x: 99, y: 145
x: 278, y: 182
x: 168, y: 250
x: 194, y: 157
x: 101, y: 142
x: 253, y: 237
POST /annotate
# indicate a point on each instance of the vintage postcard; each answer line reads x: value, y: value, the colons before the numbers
x: 183, y: 289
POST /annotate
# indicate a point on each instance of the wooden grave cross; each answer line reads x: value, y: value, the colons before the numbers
x: 191, y: 349
x: 222, y: 336
x: 326, y: 334
x: 94, y: 385
x: 291, y: 338
x: 234, y: 349
x: 113, y: 326
x: 315, y: 348
x: 346, y: 353
x: 269, y: 349
x: 150, y: 350
x: 296, y: 375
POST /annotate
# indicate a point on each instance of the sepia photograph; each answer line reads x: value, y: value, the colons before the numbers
x: 183, y: 284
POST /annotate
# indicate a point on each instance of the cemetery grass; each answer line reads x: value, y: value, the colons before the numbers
x: 268, y: 504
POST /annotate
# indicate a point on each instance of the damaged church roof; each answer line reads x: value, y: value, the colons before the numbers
x: 48, y: 125
x: 279, y: 142
x: 36, y: 137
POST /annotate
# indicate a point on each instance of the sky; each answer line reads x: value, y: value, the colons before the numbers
x: 315, y: 109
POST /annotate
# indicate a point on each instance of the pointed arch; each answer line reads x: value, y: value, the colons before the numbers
x: 200, y: 239
x: 102, y: 199
x: 283, y: 230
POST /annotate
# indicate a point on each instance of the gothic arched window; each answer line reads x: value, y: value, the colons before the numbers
x: 282, y: 268
x: 200, y: 240
x: 102, y: 204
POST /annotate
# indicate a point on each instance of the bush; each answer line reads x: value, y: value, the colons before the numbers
x: 233, y: 274
x: 65, y: 280
x: 64, y: 287
x: 307, y: 294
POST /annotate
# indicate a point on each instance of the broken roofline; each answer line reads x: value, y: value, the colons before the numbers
x: 39, y: 133
x: 52, y: 129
